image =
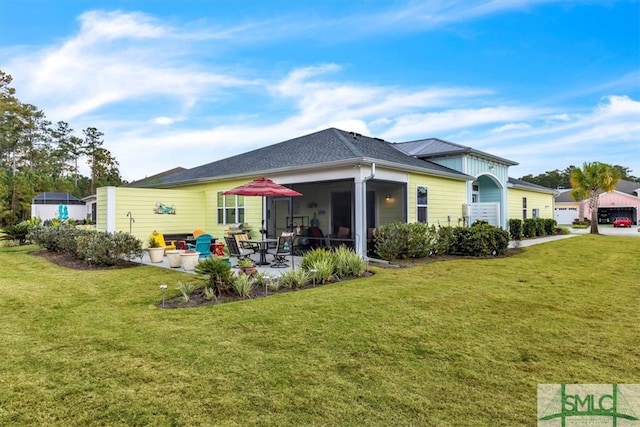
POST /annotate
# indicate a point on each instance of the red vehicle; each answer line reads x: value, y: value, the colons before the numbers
x: 622, y: 222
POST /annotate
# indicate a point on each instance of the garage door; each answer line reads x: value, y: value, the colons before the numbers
x: 566, y: 215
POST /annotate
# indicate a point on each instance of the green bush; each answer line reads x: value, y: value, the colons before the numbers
x: 391, y: 241
x: 445, y: 240
x: 16, y: 232
x: 539, y: 224
x: 58, y: 238
x: 400, y: 240
x: 105, y: 248
x: 321, y: 271
x: 295, y: 278
x: 217, y: 272
x: 515, y: 229
x: 550, y: 225
x: 481, y: 239
x: 348, y: 263
x: 313, y: 256
x: 529, y: 228
x: 242, y: 286
x: 100, y: 248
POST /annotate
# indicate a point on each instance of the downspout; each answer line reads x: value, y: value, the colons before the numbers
x: 363, y: 237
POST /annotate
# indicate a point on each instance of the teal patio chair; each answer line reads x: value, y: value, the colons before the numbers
x: 202, y: 245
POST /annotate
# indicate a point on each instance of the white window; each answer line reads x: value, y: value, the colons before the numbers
x: 230, y: 209
x: 422, y: 203
x: 524, y: 208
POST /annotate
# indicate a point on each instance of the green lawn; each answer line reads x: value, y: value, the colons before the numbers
x: 462, y: 343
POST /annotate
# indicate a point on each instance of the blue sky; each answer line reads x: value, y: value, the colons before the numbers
x: 547, y: 84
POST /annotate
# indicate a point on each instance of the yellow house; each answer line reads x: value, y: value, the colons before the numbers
x: 350, y: 184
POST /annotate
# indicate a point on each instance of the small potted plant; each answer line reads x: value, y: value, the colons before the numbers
x: 156, y: 252
x: 247, y: 266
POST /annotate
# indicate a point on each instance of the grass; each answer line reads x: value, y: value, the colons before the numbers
x: 462, y: 342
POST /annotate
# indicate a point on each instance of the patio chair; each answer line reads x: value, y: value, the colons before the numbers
x: 202, y: 245
x: 243, y: 242
x: 315, y: 238
x: 342, y: 237
x: 197, y: 232
x: 235, y: 250
x: 283, y: 250
x: 159, y: 237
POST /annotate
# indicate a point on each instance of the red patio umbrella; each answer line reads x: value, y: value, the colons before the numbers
x: 262, y: 187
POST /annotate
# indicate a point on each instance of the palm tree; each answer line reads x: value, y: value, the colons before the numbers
x: 592, y: 179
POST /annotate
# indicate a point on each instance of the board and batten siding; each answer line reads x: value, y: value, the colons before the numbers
x: 544, y: 202
x: 445, y: 199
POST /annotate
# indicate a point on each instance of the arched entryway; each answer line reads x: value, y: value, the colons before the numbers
x: 487, y: 200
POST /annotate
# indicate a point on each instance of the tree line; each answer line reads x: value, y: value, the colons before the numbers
x: 38, y: 156
x: 558, y: 179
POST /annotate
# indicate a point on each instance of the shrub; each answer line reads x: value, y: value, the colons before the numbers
x: 217, y: 273
x: 515, y: 229
x: 105, y: 248
x: 294, y: 278
x: 529, y: 228
x: 539, y: 226
x: 550, y: 225
x: 391, y: 240
x: 186, y: 289
x: 321, y: 271
x: 242, y: 286
x: 315, y: 255
x: 348, y: 263
x: 481, y: 239
x: 16, y: 232
x: 445, y: 240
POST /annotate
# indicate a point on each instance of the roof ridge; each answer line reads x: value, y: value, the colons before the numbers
x: 348, y: 143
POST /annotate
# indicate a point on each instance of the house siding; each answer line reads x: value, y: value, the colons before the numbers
x: 141, y: 203
x: 252, y: 206
x: 445, y: 199
x: 541, y: 201
x: 454, y: 163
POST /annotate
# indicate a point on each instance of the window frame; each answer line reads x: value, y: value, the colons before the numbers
x: 238, y: 208
x: 422, y: 206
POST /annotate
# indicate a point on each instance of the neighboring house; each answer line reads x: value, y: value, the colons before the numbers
x: 624, y: 201
x: 58, y: 205
x: 348, y: 181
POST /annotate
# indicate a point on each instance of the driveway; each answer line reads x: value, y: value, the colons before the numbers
x: 603, y: 229
x: 611, y: 231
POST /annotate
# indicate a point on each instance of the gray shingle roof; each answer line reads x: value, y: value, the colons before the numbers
x: 531, y: 186
x: 323, y: 147
x: 434, y: 147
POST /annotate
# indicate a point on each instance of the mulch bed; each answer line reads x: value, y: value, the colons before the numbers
x: 196, y: 299
x: 67, y: 261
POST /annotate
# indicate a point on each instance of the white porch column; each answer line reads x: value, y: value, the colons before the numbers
x: 360, y: 215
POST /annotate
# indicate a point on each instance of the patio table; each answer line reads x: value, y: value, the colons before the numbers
x: 263, y: 247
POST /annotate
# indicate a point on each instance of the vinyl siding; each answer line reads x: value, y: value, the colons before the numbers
x: 141, y: 203
x: 541, y: 201
x: 252, y: 205
x: 445, y: 198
